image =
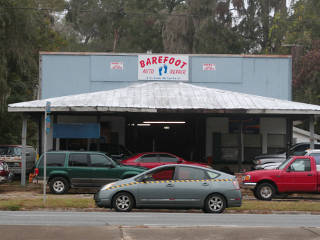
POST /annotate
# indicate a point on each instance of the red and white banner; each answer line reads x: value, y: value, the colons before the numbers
x: 163, y: 67
x: 116, y: 65
x: 208, y: 67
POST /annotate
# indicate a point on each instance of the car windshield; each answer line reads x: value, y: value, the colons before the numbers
x: 284, y: 164
x: 298, y: 150
x: 13, y: 151
x: 302, y: 153
x: 125, y: 150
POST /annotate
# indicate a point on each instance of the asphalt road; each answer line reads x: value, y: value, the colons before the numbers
x: 49, y: 218
x: 50, y: 225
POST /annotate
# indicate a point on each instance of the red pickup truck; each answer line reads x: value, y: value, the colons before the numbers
x: 294, y: 175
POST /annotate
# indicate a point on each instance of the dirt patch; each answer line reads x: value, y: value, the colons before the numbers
x: 33, y: 191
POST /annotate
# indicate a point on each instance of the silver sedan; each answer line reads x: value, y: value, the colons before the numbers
x: 173, y: 186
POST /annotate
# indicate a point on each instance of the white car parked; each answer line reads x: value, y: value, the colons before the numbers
x: 277, y: 158
x: 309, y: 152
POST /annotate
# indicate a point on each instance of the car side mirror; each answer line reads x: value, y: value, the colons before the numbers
x: 289, y: 169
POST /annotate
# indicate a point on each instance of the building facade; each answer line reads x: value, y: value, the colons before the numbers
x: 224, y: 109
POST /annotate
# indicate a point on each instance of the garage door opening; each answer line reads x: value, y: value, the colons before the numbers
x: 183, y: 137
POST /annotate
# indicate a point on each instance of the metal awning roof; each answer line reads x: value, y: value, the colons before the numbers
x: 167, y: 97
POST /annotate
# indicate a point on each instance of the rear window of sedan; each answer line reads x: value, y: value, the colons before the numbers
x: 148, y: 158
x: 167, y: 158
x: 190, y: 173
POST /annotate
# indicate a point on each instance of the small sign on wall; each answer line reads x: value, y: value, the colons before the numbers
x: 163, y: 67
x: 208, y: 67
x: 116, y: 65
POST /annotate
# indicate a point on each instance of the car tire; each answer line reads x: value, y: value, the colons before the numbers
x: 265, y: 191
x: 215, y: 203
x: 59, y: 185
x: 255, y: 194
x: 123, y: 202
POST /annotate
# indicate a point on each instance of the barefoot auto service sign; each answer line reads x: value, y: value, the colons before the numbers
x: 163, y: 67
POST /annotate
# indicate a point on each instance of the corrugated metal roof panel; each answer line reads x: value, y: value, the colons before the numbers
x: 153, y: 96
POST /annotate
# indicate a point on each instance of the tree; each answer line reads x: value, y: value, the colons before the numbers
x: 256, y: 20
x: 205, y: 26
x: 303, y: 36
x: 24, y: 31
x: 117, y: 26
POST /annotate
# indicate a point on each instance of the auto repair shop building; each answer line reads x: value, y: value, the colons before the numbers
x: 227, y: 108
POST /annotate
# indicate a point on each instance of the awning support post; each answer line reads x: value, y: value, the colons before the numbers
x: 241, y: 160
x: 23, y: 154
x: 311, y: 129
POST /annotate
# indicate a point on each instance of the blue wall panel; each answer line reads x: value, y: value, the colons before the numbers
x: 227, y: 70
x: 76, y: 130
x: 66, y: 74
x: 101, y: 71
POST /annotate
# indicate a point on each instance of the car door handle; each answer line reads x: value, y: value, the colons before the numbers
x: 309, y: 175
x: 205, y: 184
x: 170, y: 185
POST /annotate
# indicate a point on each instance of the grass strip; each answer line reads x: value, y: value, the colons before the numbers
x: 301, y: 205
x: 51, y: 203
x: 88, y: 203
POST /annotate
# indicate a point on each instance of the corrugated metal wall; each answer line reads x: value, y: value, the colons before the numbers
x: 67, y: 74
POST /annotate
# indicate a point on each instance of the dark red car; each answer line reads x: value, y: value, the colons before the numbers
x: 156, y: 159
x: 5, y: 175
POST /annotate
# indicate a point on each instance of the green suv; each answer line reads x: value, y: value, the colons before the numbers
x: 71, y: 169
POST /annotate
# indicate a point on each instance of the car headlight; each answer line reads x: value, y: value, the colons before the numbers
x: 106, y: 187
x: 257, y: 162
x: 246, y: 178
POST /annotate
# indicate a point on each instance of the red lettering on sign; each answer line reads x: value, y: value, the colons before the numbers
x: 171, y: 60
x: 162, y: 59
x: 154, y: 60
x: 177, y: 71
x: 148, y: 71
x: 183, y: 64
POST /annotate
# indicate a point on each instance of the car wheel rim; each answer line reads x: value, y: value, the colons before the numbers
x: 215, y: 204
x: 266, y: 192
x: 123, y: 202
x: 58, y: 186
